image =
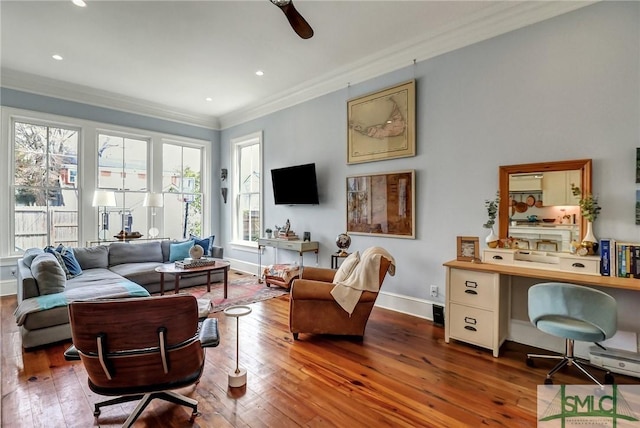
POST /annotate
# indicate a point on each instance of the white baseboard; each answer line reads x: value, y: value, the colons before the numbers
x: 406, y: 305
x: 242, y: 266
x: 395, y: 302
x: 8, y: 287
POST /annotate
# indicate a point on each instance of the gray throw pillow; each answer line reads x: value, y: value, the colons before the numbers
x: 31, y: 254
x: 48, y: 274
x: 92, y: 257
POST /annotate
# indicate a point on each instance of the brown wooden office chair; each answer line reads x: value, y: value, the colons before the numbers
x: 141, y: 348
x: 313, y: 309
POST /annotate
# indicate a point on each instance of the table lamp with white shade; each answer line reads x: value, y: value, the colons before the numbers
x: 104, y: 199
x: 153, y: 200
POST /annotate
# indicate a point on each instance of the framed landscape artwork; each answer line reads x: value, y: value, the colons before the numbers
x: 382, y: 204
x: 382, y: 125
x: 468, y: 248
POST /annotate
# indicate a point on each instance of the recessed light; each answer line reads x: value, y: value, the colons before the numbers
x: 57, y: 57
x: 259, y: 73
x: 79, y: 3
x: 208, y: 99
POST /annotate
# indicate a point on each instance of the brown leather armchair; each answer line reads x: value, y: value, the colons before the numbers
x: 313, y: 309
x: 141, y: 348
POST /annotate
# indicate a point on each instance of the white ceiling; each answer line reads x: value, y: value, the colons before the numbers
x: 164, y: 58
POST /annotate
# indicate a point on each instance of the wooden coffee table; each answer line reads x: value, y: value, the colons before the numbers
x: 178, y: 272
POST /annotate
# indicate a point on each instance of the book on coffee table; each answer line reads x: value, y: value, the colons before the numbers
x: 194, y: 263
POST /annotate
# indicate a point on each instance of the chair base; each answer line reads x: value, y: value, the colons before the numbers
x: 568, y: 359
x: 145, y: 399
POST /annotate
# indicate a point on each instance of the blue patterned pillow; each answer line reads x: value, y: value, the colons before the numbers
x: 179, y: 251
x: 70, y: 260
x: 205, y: 243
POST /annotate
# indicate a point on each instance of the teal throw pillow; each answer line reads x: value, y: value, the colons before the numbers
x: 179, y: 251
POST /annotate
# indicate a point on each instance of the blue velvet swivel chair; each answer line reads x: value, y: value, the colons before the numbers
x: 573, y: 312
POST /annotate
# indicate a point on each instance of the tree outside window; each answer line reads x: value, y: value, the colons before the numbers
x: 181, y: 183
x: 248, y: 188
x: 45, y: 192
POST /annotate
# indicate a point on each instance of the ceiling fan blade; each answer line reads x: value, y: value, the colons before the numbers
x: 298, y: 23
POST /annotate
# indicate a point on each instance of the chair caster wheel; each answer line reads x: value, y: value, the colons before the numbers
x: 96, y: 412
x: 548, y: 381
x: 193, y: 416
x: 530, y: 362
x: 609, y: 379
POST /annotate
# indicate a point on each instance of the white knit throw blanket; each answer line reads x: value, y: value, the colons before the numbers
x: 364, y: 277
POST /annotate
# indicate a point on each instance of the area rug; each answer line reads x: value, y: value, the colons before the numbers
x: 243, y: 291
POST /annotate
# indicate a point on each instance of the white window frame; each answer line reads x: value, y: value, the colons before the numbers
x: 9, y: 197
x: 87, y: 170
x: 237, y: 144
x: 205, y: 179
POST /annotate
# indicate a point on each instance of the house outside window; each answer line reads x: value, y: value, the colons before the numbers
x: 182, y: 167
x: 122, y: 160
x: 55, y: 164
x: 45, y: 196
x: 247, y: 187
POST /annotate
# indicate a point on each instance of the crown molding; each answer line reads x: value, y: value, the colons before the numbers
x: 492, y: 21
x: 499, y: 18
x: 45, y: 86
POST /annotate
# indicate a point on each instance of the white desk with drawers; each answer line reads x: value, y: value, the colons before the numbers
x: 478, y: 299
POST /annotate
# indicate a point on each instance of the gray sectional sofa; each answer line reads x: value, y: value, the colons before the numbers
x: 113, y: 271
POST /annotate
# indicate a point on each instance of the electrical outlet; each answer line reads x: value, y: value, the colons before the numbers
x: 434, y: 291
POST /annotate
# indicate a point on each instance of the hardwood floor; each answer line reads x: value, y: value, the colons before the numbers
x: 402, y: 375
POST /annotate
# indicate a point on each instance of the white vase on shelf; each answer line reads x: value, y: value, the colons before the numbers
x: 589, y: 240
x: 491, y: 239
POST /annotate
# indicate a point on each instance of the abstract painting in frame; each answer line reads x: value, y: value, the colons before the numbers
x: 382, y: 204
x: 382, y: 125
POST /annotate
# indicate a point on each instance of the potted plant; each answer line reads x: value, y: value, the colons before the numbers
x: 492, y: 211
x: 268, y: 231
x: 589, y: 209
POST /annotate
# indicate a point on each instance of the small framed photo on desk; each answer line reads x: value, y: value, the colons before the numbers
x: 468, y: 248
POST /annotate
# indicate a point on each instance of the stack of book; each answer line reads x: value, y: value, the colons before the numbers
x: 194, y: 263
x: 620, y: 259
x: 290, y: 236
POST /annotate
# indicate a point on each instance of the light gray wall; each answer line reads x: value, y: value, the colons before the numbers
x: 566, y: 88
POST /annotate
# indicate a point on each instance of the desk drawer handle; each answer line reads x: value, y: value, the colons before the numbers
x: 577, y: 265
x: 497, y: 257
x: 471, y: 284
x: 470, y: 320
x: 468, y: 327
x: 471, y: 291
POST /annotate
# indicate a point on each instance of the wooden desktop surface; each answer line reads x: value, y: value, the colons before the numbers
x: 552, y: 275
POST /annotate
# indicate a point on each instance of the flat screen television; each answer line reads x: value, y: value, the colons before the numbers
x: 295, y: 185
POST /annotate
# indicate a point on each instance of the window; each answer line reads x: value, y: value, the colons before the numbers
x: 45, y: 197
x: 55, y: 164
x: 122, y: 167
x: 247, y: 209
x: 182, y: 188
